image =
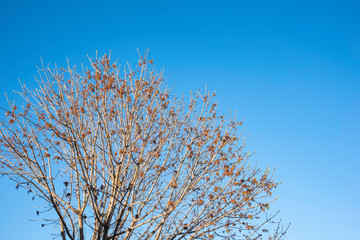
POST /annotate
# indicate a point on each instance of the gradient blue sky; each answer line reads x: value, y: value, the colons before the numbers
x: 290, y: 68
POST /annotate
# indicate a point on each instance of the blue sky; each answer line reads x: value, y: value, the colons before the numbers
x: 290, y: 68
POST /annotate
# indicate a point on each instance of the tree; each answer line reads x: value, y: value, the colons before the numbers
x: 122, y: 158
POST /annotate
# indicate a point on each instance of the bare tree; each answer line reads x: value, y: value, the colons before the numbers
x: 119, y: 157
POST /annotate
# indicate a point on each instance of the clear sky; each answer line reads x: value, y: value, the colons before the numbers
x: 290, y: 68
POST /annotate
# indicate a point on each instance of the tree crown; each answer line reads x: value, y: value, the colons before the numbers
x: 120, y: 157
